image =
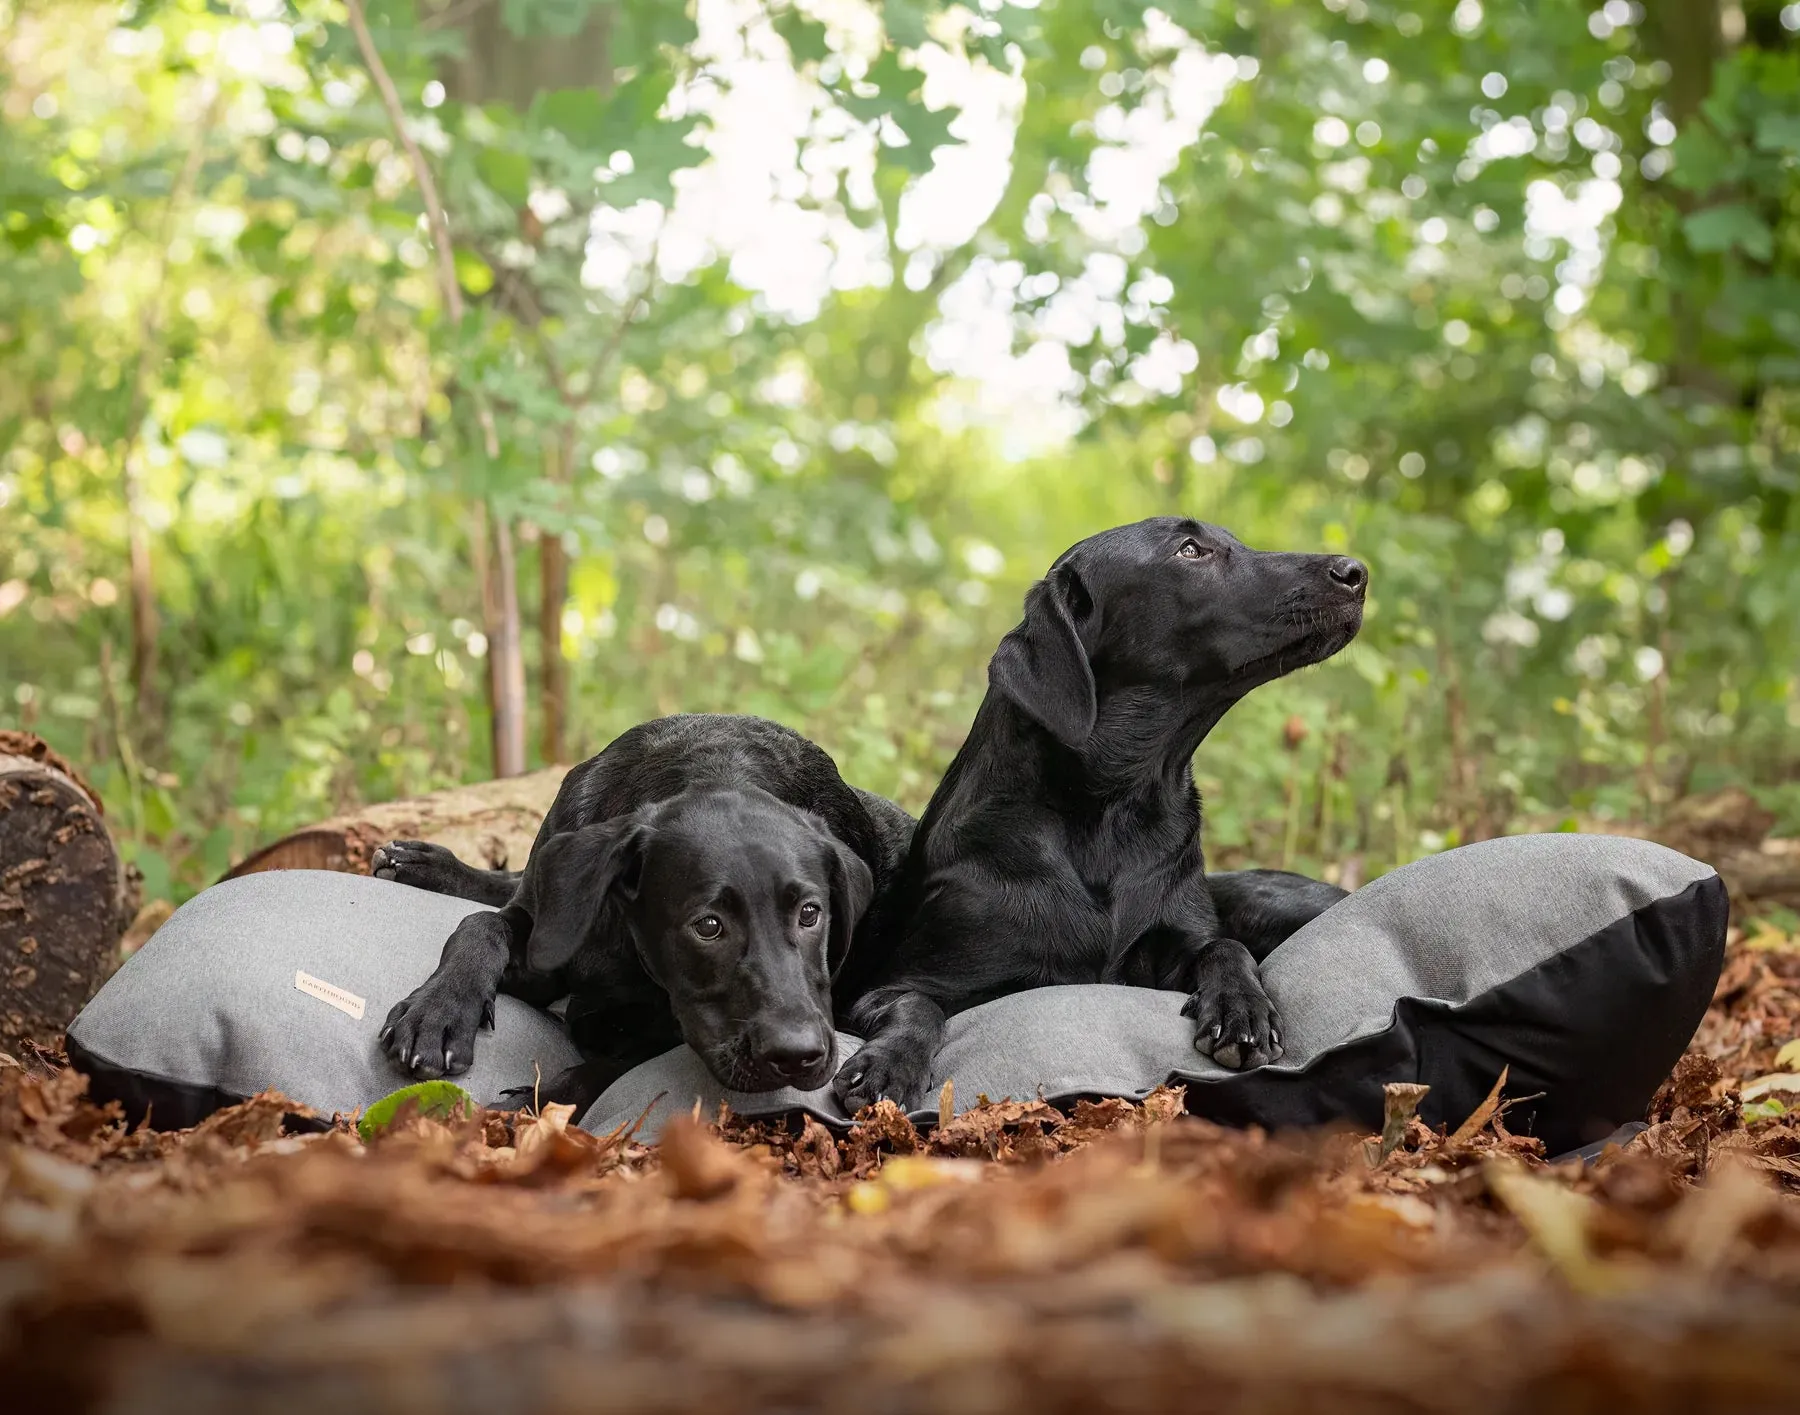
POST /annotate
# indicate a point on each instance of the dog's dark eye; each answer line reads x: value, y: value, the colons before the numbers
x: 809, y: 915
x: 1192, y: 550
x: 708, y: 927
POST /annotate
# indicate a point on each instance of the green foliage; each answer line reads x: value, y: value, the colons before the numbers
x: 1504, y: 300
x: 438, y: 1099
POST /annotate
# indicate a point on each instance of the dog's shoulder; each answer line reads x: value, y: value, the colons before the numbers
x: 658, y: 760
x: 893, y: 827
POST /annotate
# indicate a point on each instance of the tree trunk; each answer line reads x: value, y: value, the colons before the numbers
x: 1687, y: 35
x: 490, y: 826
x: 553, y: 584
x: 497, y: 65
x: 498, y: 574
x: 65, y: 895
x: 506, y: 654
x: 553, y: 595
x: 142, y: 578
x: 143, y: 591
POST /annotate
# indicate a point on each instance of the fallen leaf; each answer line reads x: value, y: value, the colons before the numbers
x: 1785, y: 1082
x: 815, y: 1152
x: 696, y: 1163
x: 1481, y: 1115
x: 1692, y: 1081
x: 879, y: 1129
x: 1164, y: 1104
x: 437, y: 1099
x: 1400, y: 1100
x: 1707, y: 1223
x: 908, y: 1172
x: 997, y: 1130
x: 1557, y: 1219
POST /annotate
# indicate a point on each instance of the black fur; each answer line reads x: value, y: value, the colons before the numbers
x: 680, y: 821
x: 1261, y: 908
x: 1063, y: 844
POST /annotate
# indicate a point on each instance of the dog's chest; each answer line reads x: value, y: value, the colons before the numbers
x: 616, y: 1011
x: 1114, y: 878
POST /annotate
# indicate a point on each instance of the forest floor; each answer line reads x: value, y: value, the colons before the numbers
x: 1116, y: 1257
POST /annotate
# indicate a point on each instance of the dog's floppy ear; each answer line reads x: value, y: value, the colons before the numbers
x: 852, y: 887
x: 1042, y: 666
x: 570, y: 878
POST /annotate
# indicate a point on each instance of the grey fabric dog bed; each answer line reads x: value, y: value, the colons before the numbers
x: 281, y: 980
x: 1583, y: 963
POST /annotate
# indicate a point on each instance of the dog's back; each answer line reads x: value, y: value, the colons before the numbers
x: 667, y: 756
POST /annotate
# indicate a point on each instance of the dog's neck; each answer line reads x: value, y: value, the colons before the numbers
x: 1143, y: 742
x: 1151, y: 730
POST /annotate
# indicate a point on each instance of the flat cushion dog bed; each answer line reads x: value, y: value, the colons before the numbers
x: 281, y: 980
x: 1583, y: 963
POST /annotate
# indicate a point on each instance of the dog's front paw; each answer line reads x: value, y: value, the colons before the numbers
x: 1235, y: 1023
x: 880, y: 1072
x: 418, y: 863
x: 432, y: 1032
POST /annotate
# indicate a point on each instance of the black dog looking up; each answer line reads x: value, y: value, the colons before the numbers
x: 702, y: 879
x: 1063, y: 844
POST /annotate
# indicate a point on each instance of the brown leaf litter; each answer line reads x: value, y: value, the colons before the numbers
x: 1021, y: 1256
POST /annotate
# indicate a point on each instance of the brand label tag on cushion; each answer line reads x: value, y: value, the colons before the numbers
x: 347, y: 1002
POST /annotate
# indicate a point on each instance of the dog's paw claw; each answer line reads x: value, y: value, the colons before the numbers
x: 870, y: 1076
x: 1235, y: 1025
x: 418, y: 863
x: 432, y: 1032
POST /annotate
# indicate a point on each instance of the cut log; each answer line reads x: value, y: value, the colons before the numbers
x: 65, y: 895
x: 490, y: 825
x: 1729, y: 831
x: 1767, y: 875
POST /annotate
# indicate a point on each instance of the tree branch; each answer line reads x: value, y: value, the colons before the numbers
x: 636, y: 304
x: 421, y: 169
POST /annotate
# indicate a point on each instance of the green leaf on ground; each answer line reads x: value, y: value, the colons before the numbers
x: 434, y: 1098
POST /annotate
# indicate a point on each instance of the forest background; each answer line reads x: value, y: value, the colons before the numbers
x: 394, y: 393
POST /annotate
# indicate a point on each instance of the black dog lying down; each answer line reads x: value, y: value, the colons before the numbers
x: 703, y: 879
x: 1063, y: 844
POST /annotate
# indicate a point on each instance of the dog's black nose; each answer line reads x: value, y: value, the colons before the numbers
x: 796, y: 1056
x: 1353, y: 575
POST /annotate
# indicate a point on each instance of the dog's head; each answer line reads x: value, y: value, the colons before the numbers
x: 1171, y: 603
x: 739, y: 906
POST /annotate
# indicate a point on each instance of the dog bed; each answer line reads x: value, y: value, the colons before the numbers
x: 1582, y: 963
x: 280, y: 981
